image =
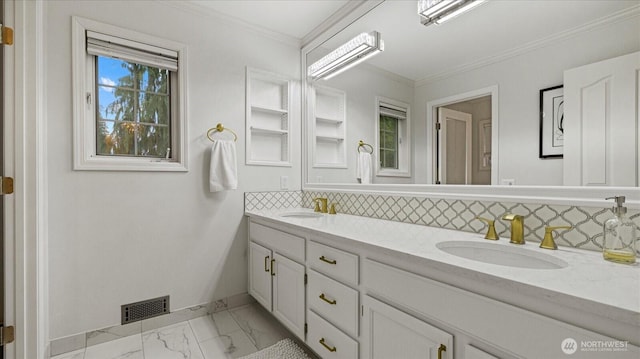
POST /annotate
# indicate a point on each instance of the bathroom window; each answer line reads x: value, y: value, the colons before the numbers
x: 388, y: 140
x: 129, y: 92
x: 392, y: 138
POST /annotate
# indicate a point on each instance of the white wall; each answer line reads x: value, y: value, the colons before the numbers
x: 362, y: 84
x: 121, y: 237
x: 519, y: 80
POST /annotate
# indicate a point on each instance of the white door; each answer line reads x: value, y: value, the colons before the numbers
x: 390, y: 333
x: 260, y: 274
x: 455, y: 146
x: 288, y: 294
x: 601, y: 123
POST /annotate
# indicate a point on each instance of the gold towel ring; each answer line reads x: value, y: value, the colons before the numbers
x: 219, y: 128
x: 362, y: 144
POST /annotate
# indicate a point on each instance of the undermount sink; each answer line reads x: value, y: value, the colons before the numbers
x: 510, y: 256
x: 301, y: 215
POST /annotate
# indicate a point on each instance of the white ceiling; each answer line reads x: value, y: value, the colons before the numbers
x: 294, y: 18
x: 492, y: 30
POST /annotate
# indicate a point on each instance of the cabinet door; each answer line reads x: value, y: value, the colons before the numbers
x: 260, y: 274
x: 288, y: 294
x: 390, y: 333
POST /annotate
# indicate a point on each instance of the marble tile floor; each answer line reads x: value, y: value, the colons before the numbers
x: 227, y: 334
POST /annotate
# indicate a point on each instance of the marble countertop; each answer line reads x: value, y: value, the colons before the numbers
x: 588, y: 281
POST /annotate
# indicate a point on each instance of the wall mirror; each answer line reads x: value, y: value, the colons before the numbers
x: 480, y: 76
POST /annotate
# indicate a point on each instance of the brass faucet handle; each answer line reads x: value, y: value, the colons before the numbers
x: 548, y: 242
x: 491, y: 230
x: 332, y: 209
x: 317, y: 202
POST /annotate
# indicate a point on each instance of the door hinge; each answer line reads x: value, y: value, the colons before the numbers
x: 306, y: 279
x: 6, y: 185
x: 7, y: 335
x: 438, y: 126
x: 6, y: 35
x: 306, y: 328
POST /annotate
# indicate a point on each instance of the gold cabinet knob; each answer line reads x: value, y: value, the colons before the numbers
x: 548, y: 242
x: 491, y: 231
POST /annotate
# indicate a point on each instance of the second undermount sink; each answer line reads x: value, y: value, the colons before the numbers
x: 511, y: 256
x: 301, y: 215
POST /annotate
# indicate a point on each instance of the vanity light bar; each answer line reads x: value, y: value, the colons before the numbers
x: 439, y: 11
x: 346, y: 56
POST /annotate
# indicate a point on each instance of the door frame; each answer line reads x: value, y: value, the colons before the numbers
x: 25, y: 214
x: 441, y: 150
x: 431, y: 133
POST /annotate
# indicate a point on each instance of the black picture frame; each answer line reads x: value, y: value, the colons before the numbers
x: 552, y: 122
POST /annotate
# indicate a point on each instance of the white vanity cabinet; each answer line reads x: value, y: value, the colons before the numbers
x: 333, y: 304
x: 369, y: 302
x: 277, y: 275
x: 390, y: 333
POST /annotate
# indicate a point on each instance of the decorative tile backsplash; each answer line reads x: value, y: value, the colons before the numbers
x: 587, y: 222
x: 271, y: 200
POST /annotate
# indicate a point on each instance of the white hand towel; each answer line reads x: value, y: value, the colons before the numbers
x: 363, y: 167
x: 223, y: 171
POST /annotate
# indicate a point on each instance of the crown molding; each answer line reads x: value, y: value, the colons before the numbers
x: 622, y: 15
x: 337, y: 22
x: 197, y: 9
x: 340, y: 14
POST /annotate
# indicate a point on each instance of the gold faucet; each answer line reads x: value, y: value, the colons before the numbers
x: 517, y: 227
x: 321, y: 204
x: 491, y: 231
x: 548, y: 242
x: 332, y: 208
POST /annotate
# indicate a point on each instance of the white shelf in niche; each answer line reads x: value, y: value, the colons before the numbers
x: 329, y: 138
x: 267, y: 118
x: 269, y: 110
x: 329, y: 120
x: 328, y: 113
x: 268, y: 131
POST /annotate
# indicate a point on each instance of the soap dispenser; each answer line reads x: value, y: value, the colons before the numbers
x: 619, y: 235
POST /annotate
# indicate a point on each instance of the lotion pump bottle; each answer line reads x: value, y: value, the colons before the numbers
x: 619, y: 235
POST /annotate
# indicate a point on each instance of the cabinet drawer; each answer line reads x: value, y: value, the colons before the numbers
x: 335, y: 302
x: 328, y: 341
x: 284, y: 243
x: 333, y: 262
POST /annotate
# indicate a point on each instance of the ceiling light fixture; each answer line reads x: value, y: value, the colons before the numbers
x: 439, y: 11
x: 346, y: 56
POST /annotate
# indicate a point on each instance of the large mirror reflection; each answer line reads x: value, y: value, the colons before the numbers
x: 541, y: 93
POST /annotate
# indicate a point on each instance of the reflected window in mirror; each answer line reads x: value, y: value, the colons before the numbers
x: 392, y: 138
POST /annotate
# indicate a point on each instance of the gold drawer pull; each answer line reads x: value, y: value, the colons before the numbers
x: 273, y: 273
x: 266, y: 266
x: 331, y: 349
x: 330, y: 261
x: 332, y: 302
x: 442, y: 348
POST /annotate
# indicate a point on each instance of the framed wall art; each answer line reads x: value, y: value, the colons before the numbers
x: 551, y: 122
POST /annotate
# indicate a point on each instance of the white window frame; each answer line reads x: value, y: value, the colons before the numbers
x: 404, y: 139
x: 84, y: 100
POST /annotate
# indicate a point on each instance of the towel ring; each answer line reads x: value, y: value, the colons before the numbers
x: 362, y: 144
x: 219, y: 128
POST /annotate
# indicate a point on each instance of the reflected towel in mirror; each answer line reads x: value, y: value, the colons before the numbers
x: 223, y: 168
x: 363, y: 170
